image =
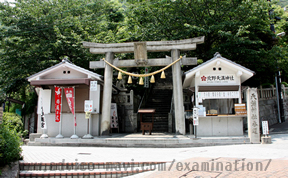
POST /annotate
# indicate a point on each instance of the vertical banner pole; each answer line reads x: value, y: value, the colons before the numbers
x: 74, y: 136
x: 88, y: 105
x: 60, y: 122
x: 90, y: 124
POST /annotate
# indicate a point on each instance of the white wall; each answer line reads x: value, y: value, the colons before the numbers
x: 220, y: 126
x: 68, y: 125
x: 58, y: 74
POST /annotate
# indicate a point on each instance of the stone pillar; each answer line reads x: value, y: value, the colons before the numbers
x: 178, y: 94
x: 107, y: 95
x: 253, y: 115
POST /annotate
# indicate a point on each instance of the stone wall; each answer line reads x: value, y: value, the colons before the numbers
x: 127, y: 107
x: 268, y: 109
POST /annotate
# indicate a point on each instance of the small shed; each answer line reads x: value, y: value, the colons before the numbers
x: 216, y: 85
x: 67, y: 75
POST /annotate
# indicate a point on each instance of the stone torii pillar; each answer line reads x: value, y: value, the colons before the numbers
x: 178, y: 93
x: 140, y: 61
x: 107, y: 95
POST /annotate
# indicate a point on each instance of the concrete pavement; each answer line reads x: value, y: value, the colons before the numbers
x: 251, y: 153
x: 246, y: 160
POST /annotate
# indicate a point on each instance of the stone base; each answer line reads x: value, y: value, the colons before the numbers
x: 266, y: 140
x: 32, y: 136
x: 155, y: 140
x: 11, y: 171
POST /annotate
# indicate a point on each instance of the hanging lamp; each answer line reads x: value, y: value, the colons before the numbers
x: 152, y: 80
x: 130, y: 79
x: 163, y: 75
x: 119, y: 76
x: 141, y: 81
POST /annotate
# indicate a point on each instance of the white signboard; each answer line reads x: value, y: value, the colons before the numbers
x: 265, y: 128
x: 201, y: 111
x: 93, y: 85
x: 88, y: 105
x: 195, y: 116
x: 217, y: 79
x: 217, y: 95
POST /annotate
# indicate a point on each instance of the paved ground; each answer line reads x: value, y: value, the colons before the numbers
x: 247, y: 160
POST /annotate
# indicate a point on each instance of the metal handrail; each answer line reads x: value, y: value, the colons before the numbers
x: 144, y: 97
x: 142, y: 100
x: 171, y: 107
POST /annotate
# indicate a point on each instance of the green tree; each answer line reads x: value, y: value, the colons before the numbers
x: 38, y: 34
x: 239, y: 30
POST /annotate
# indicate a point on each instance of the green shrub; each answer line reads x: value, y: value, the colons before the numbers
x: 285, y: 84
x: 266, y: 85
x: 13, y: 121
x: 10, y: 142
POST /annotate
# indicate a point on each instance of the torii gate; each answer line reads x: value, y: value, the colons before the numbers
x: 140, y: 50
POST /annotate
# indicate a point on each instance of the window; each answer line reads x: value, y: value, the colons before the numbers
x: 219, y: 106
x: 82, y: 94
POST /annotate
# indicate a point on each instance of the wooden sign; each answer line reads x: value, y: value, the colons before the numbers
x: 240, y: 109
x: 140, y: 53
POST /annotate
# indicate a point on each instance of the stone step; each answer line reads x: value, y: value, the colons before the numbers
x: 160, y: 100
x: 138, y: 140
x: 164, y: 120
x: 79, y: 174
x: 160, y: 130
x: 156, y: 114
x: 159, y: 103
x: 61, y: 166
x: 159, y: 108
x: 86, y: 169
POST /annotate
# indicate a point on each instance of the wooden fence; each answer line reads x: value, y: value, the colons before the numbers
x: 265, y: 93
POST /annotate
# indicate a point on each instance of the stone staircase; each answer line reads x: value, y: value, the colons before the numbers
x: 160, y: 100
x: 86, y: 169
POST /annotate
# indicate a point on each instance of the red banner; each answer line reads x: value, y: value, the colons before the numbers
x: 58, y: 95
x: 69, y: 92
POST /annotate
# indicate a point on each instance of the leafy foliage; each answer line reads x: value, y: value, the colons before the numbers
x: 35, y: 35
x: 239, y: 30
x: 38, y: 34
x: 14, y: 122
x: 10, y: 149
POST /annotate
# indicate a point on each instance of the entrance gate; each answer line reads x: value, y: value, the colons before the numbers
x: 140, y: 50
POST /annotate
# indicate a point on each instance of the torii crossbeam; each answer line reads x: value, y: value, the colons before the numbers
x: 140, y: 50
